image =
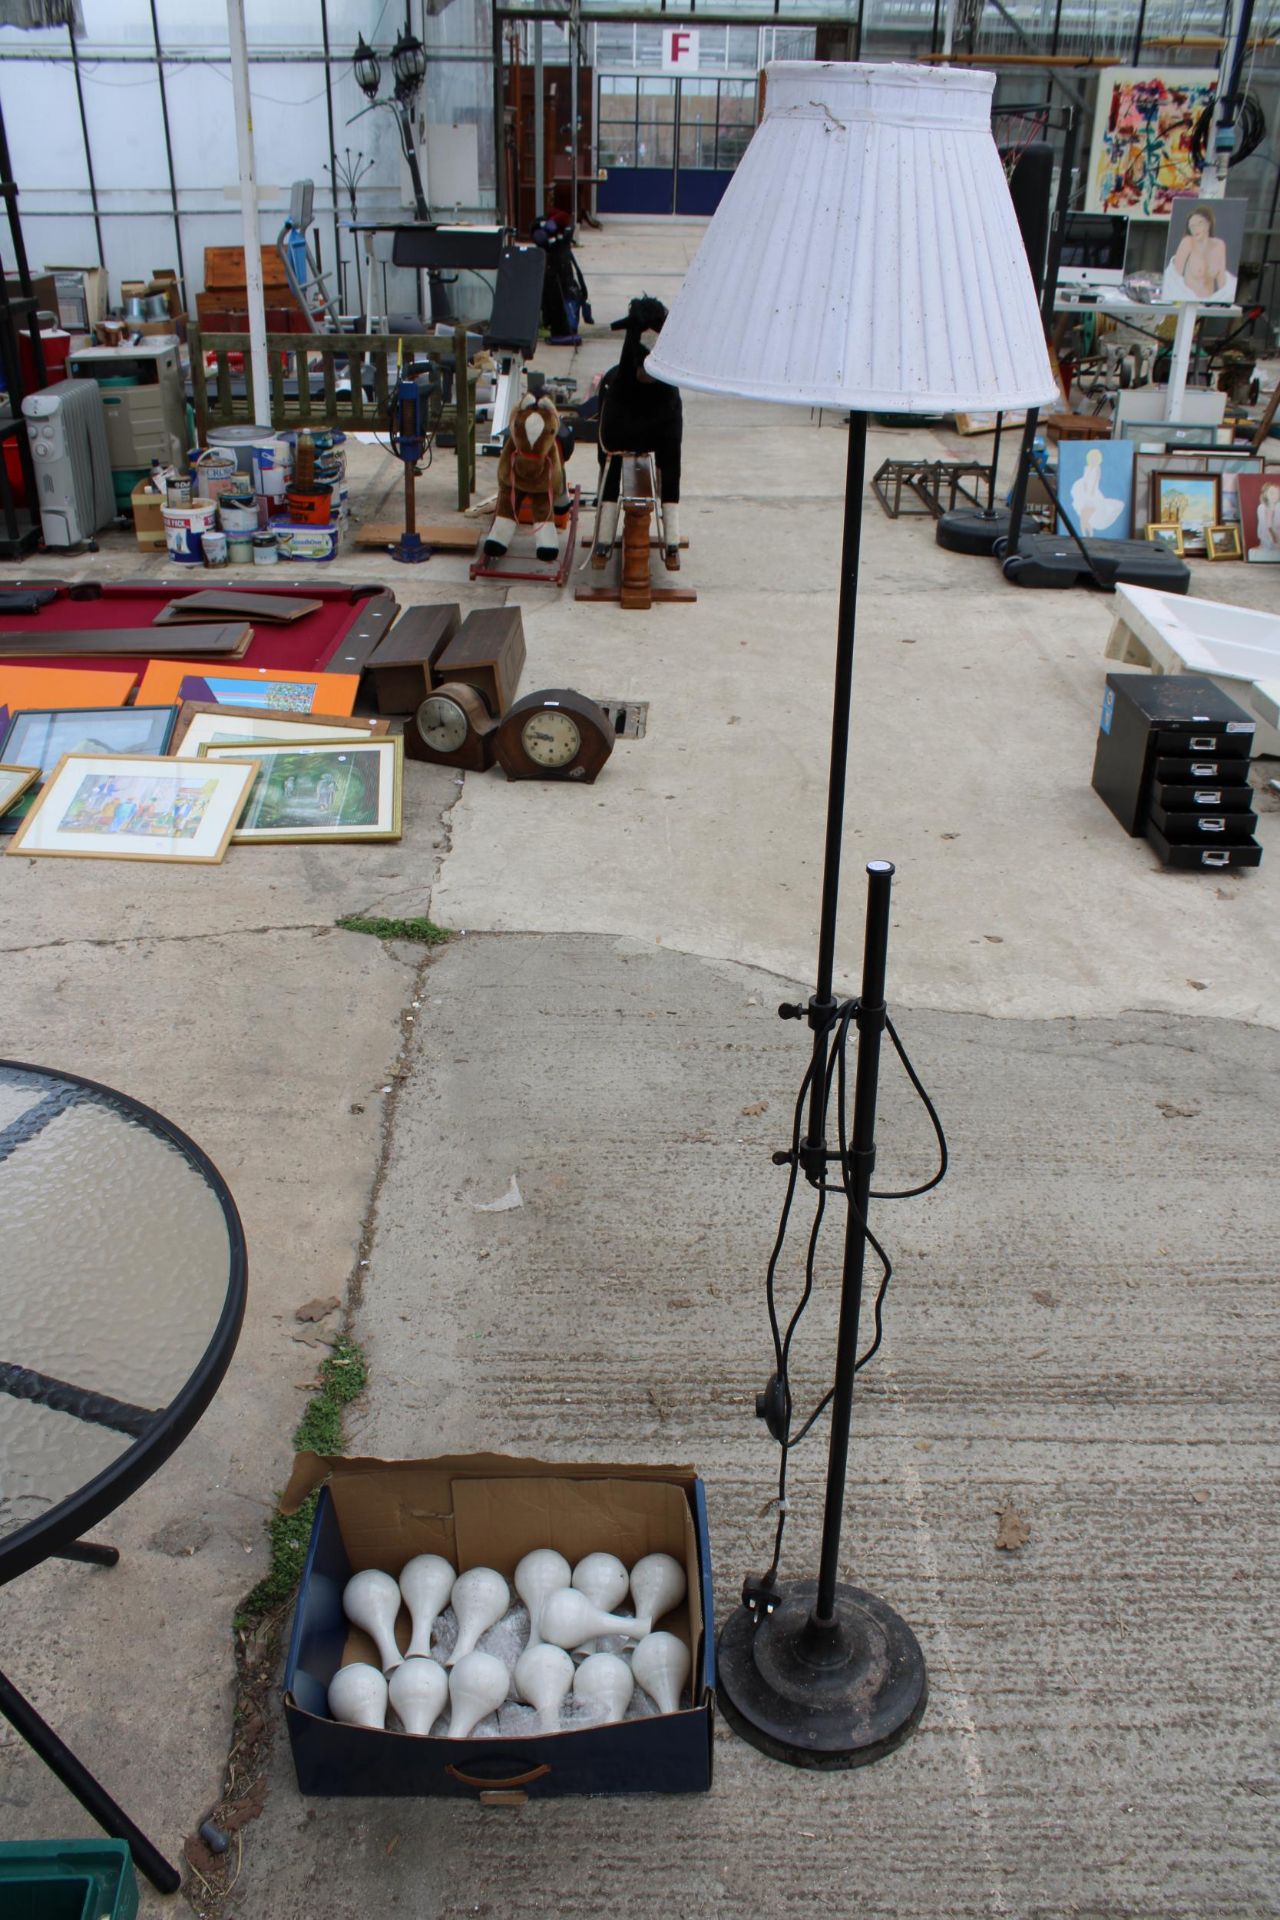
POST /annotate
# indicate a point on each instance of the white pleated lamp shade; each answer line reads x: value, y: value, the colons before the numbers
x: 866, y: 254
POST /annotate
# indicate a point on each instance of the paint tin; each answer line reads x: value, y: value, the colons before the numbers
x: 239, y: 513
x: 213, y: 472
x: 271, y: 466
x: 213, y: 547
x: 240, y: 549
x: 265, y: 550
x: 309, y: 543
x: 185, y: 528
x: 178, y: 493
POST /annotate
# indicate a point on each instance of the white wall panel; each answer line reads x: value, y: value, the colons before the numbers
x: 126, y: 127
x: 42, y: 120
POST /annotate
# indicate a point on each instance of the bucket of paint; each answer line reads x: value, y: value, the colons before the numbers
x: 213, y: 548
x: 311, y: 508
x: 238, y: 513
x: 213, y: 472
x: 265, y: 550
x: 185, y: 528
x: 271, y: 465
x: 239, y: 440
x: 239, y: 549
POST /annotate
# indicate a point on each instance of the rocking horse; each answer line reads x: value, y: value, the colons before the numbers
x: 641, y: 425
x: 532, y: 491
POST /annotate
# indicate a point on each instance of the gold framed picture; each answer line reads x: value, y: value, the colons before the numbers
x: 320, y: 791
x: 97, y: 806
x: 1168, y: 533
x: 13, y: 781
x: 206, y: 723
x: 1223, y: 542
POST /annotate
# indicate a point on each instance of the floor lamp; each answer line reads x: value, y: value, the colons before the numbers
x: 865, y: 256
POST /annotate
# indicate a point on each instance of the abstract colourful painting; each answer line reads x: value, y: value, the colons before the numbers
x: 1142, y: 132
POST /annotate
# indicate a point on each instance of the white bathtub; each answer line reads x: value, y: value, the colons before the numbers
x: 1239, y: 650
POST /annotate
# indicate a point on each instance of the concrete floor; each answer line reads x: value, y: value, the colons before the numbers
x: 1081, y: 1319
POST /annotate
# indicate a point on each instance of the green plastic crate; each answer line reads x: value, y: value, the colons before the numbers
x: 123, y: 481
x: 67, y: 1880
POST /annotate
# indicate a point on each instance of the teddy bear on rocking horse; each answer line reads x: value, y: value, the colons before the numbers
x: 531, y: 481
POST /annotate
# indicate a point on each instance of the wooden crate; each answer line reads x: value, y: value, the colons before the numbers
x: 225, y: 267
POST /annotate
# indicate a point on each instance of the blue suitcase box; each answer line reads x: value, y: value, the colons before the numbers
x: 488, y: 1510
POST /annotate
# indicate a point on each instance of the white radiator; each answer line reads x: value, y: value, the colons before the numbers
x: 67, y: 428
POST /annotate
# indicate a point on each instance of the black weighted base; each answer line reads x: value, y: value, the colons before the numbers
x: 833, y: 1695
x: 973, y: 530
x: 1054, y: 560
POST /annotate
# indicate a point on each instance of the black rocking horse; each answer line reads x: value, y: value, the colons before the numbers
x: 638, y: 414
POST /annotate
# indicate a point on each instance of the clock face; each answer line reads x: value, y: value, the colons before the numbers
x: 442, y: 724
x: 551, y: 738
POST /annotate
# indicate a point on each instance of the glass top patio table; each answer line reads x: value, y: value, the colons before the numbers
x: 122, y: 1291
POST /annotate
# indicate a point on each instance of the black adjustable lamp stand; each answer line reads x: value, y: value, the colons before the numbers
x: 819, y: 1673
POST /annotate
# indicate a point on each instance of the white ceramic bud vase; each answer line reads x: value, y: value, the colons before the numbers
x: 426, y: 1583
x: 603, y: 1684
x: 358, y: 1696
x: 544, y: 1676
x: 477, y: 1686
x: 661, y: 1665
x: 480, y: 1598
x: 568, y: 1619
x: 657, y: 1584
x: 418, y: 1690
x: 541, y: 1572
x: 372, y: 1600
x: 604, y: 1580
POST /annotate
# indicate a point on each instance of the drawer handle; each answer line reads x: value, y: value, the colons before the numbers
x: 1208, y: 799
x: 1222, y: 859
x: 1212, y: 826
x: 1205, y: 771
x: 487, y: 1784
x: 1202, y: 743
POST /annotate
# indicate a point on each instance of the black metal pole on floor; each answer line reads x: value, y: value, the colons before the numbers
x: 816, y: 1672
x: 60, y: 1761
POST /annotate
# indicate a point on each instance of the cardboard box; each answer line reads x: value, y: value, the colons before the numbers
x: 148, y: 522
x: 489, y: 1510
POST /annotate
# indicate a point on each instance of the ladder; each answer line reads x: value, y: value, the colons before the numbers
x: 306, y: 282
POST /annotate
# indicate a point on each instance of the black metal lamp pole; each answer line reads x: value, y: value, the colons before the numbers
x: 818, y: 1673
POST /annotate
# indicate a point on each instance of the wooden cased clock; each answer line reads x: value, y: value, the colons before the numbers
x: 556, y: 735
x: 452, y: 727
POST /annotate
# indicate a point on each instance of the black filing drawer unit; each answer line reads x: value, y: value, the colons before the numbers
x: 1173, y: 762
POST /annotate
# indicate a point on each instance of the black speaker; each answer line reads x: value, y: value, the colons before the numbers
x: 1031, y: 188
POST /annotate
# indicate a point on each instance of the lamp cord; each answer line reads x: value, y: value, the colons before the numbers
x: 836, y: 1072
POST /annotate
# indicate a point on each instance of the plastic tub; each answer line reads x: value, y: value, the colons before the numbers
x: 67, y: 1880
x: 185, y: 528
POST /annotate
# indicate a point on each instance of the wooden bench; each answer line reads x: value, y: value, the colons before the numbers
x: 295, y: 403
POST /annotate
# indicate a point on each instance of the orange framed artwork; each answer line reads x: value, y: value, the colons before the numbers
x: 167, y: 682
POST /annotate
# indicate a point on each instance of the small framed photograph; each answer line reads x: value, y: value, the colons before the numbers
x: 14, y: 781
x: 40, y: 736
x: 1194, y: 500
x: 1224, y: 542
x: 202, y: 723
x: 136, y: 807
x: 321, y: 792
x: 1168, y: 533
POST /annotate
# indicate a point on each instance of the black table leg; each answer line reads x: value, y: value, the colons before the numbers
x: 78, y: 1780
x: 90, y: 1552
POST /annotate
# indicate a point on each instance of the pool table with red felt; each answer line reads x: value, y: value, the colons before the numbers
x: 338, y: 638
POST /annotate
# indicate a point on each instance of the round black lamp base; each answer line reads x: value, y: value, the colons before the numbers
x: 973, y: 529
x: 821, y: 1694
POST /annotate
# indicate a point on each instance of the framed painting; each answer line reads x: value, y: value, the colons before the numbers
x: 1193, y: 500
x: 319, y: 792
x: 259, y: 687
x: 1141, y: 156
x: 41, y: 737
x: 143, y: 807
x: 1095, y: 488
x: 1224, y: 543
x: 1202, y: 253
x: 1167, y: 534
x: 1260, y: 516
x: 201, y: 724
x: 13, y: 782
